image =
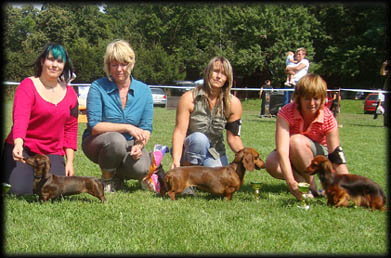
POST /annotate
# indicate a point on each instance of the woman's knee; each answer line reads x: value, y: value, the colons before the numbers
x: 198, y: 142
x: 272, y: 165
x: 114, y: 143
x: 298, y: 142
x: 196, y: 148
x: 134, y: 169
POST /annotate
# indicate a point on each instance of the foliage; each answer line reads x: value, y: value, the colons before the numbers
x: 346, y: 43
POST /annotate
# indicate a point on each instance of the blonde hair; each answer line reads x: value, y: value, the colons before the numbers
x: 118, y: 50
x: 289, y: 53
x: 226, y: 89
x: 311, y: 85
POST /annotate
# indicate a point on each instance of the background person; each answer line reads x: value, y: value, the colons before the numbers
x: 44, y: 120
x: 119, y: 113
x: 299, y: 70
x: 305, y: 128
x: 201, y: 117
x: 265, y: 97
x: 379, y: 103
x: 385, y: 71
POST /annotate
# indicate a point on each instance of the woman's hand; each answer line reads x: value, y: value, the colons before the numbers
x: 136, y: 151
x: 69, y: 171
x: 70, y: 157
x: 174, y: 165
x: 138, y: 134
x: 17, y: 152
x: 294, y: 189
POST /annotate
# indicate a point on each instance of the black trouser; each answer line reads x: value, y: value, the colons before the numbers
x: 263, y: 104
x: 20, y: 175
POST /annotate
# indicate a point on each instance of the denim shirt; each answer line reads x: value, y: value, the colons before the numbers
x: 104, y: 105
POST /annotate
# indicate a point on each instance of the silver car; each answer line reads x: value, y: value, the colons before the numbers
x: 159, y: 97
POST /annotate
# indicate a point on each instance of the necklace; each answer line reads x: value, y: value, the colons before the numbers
x: 50, y: 88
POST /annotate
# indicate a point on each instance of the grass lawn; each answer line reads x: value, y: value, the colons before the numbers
x: 135, y: 221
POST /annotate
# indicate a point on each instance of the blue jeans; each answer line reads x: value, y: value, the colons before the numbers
x: 287, y: 97
x: 195, y: 151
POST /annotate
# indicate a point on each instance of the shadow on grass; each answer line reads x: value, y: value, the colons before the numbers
x: 266, y: 188
x: 256, y: 118
x: 32, y: 198
x: 270, y: 188
x: 131, y: 186
x: 364, y: 125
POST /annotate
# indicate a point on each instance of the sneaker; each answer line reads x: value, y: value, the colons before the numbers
x: 292, y: 83
x: 107, y: 185
x: 118, y: 184
x: 113, y: 184
x: 287, y: 83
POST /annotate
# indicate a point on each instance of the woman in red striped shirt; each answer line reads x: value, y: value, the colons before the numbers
x: 305, y: 128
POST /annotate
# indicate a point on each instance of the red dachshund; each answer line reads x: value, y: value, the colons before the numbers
x: 340, y: 189
x: 223, y: 181
x: 49, y: 186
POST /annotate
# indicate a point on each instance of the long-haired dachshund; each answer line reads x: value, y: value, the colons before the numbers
x: 223, y: 181
x: 49, y: 186
x: 340, y: 189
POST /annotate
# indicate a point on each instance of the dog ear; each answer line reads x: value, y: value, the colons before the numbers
x: 238, y: 156
x: 46, y: 165
x: 327, y: 166
x: 315, y: 165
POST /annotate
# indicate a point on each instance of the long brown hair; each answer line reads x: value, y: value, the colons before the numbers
x: 226, y: 89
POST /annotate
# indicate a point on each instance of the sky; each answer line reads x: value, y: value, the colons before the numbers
x: 35, y: 4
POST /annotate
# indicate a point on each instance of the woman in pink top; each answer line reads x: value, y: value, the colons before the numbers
x: 44, y: 120
x: 305, y: 128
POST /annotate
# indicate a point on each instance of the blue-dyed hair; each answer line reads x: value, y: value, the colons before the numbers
x: 58, y: 52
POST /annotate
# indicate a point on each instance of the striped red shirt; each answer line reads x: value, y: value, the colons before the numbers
x: 316, y: 131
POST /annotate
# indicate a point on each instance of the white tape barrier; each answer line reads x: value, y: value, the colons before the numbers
x: 238, y: 89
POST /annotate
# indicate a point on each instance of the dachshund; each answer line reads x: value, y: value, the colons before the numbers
x: 49, y: 186
x: 340, y: 189
x: 224, y: 181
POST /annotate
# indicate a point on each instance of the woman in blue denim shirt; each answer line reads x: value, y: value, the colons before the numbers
x: 119, y: 113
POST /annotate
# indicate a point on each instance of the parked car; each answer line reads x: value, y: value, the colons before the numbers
x: 370, y: 103
x: 360, y: 95
x: 159, y: 97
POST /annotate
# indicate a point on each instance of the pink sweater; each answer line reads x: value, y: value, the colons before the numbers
x: 46, y: 128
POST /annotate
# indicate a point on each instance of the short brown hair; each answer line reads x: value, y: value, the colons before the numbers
x: 311, y: 85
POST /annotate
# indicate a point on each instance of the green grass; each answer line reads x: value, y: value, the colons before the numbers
x: 134, y: 221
